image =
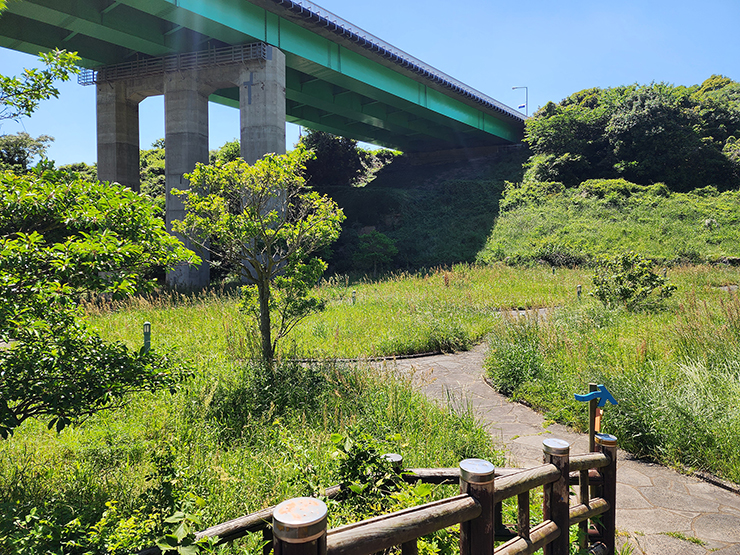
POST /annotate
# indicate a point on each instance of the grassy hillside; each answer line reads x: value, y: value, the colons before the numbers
x: 436, y: 215
x: 544, y: 222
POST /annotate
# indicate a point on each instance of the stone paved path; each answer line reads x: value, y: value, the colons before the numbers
x: 651, y: 499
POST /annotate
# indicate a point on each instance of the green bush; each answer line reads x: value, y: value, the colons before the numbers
x: 682, y: 136
x: 628, y: 280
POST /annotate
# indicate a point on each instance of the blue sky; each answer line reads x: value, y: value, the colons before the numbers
x: 553, y: 48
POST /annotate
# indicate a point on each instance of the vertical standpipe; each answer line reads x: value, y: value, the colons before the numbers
x: 147, y: 337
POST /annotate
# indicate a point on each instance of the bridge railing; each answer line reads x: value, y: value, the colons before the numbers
x: 175, y: 62
x: 299, y: 526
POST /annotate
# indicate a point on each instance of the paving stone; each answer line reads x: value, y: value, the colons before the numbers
x: 629, y: 472
x: 720, y: 527
x: 653, y: 521
x: 630, y: 498
x: 672, y: 500
x: 730, y: 550
x: 724, y: 497
x: 667, y: 545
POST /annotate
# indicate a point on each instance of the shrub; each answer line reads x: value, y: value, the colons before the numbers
x: 528, y: 193
x: 628, y: 280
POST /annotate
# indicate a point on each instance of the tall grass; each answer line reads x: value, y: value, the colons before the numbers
x: 235, y: 439
x: 575, y: 226
x: 675, y: 373
x: 444, y: 309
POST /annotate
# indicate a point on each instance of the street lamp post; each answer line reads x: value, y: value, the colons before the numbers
x: 526, y: 99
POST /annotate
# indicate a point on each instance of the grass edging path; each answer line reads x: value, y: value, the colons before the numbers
x: 651, y: 499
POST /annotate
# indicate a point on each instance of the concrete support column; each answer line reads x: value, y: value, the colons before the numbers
x: 118, y: 134
x: 262, y: 107
x: 186, y: 144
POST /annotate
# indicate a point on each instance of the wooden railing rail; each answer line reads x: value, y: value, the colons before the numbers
x: 383, y: 532
x: 299, y: 525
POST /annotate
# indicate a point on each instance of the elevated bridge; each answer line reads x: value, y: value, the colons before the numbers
x: 275, y: 60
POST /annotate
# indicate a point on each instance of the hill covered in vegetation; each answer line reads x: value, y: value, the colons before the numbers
x: 547, y: 222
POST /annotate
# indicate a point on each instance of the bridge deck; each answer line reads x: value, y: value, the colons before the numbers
x: 338, y: 78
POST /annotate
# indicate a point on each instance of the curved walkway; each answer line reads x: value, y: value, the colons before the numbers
x: 651, y: 500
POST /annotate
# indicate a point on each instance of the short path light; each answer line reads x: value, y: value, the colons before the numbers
x: 147, y: 336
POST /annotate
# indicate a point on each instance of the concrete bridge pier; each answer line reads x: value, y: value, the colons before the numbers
x: 186, y: 144
x: 261, y: 84
x: 118, y: 134
x: 262, y: 107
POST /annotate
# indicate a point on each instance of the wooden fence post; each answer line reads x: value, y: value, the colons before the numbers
x: 299, y: 527
x: 557, y: 496
x: 607, y: 525
x: 396, y: 462
x: 476, y: 479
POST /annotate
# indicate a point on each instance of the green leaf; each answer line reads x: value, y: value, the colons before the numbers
x: 423, y: 490
x: 357, y: 488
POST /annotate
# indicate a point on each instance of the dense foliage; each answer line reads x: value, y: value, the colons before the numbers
x: 61, y: 240
x: 685, y: 137
x: 548, y: 223
x: 19, y: 150
x: 337, y: 161
x: 151, y: 172
x: 433, y: 214
x: 629, y: 280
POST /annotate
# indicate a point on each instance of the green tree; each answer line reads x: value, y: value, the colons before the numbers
x: 265, y: 221
x: 338, y: 162
x: 374, y: 249
x: 646, y: 134
x: 17, y: 151
x: 228, y: 152
x: 19, y: 96
x: 81, y: 170
x: 152, y: 173
x: 63, y: 239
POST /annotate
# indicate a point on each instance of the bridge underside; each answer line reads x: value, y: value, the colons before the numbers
x: 271, y: 59
x: 332, y: 82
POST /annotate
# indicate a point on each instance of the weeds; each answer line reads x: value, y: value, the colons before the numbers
x: 674, y: 373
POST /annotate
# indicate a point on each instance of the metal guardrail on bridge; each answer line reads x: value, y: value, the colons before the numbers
x: 176, y: 62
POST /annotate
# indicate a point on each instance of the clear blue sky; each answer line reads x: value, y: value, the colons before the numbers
x: 554, y: 48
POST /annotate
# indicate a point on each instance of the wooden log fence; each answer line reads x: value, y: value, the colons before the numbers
x: 298, y: 526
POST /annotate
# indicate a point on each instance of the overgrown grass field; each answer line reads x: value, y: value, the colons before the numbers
x: 542, y: 221
x: 439, y: 310
x: 235, y: 439
x: 674, y: 372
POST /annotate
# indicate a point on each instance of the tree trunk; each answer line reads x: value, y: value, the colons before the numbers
x: 263, y: 288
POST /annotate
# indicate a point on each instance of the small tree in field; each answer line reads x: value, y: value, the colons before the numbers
x: 265, y: 221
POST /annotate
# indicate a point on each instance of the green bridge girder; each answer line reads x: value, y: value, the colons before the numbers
x: 332, y: 83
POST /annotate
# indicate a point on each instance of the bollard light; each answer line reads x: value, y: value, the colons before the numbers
x: 147, y: 336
